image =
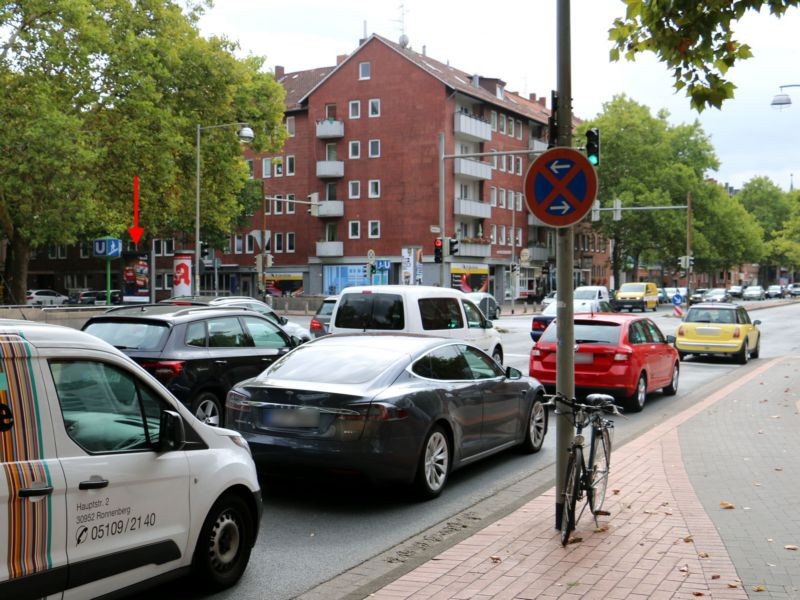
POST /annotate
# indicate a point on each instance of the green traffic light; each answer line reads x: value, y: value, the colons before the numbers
x: 593, y: 159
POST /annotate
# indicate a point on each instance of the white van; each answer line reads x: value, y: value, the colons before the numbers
x: 591, y: 292
x: 109, y: 483
x: 428, y: 310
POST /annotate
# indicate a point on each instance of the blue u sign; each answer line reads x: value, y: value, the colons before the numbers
x: 107, y: 248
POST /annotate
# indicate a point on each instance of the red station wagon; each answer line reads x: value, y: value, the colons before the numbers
x: 618, y: 354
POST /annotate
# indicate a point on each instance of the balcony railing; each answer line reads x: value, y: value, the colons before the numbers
x: 331, y: 208
x: 329, y: 129
x: 330, y: 249
x: 472, y: 208
x: 330, y: 168
x: 479, y: 250
x: 541, y: 253
x: 472, y: 128
x: 537, y: 145
x: 472, y: 169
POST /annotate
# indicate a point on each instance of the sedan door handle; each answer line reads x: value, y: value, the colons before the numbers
x: 32, y: 492
x: 93, y: 484
x: 220, y: 362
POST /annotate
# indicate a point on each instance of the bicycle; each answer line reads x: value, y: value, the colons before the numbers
x: 586, y: 477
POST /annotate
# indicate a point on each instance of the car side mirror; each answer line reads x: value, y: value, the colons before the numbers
x: 171, y: 432
x: 282, y: 320
x: 487, y: 324
x: 670, y: 339
x: 296, y: 341
x: 512, y: 373
x: 757, y: 322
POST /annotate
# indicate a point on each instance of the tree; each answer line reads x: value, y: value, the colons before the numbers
x: 694, y: 39
x: 94, y: 92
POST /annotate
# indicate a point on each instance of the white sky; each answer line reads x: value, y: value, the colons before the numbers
x: 516, y: 42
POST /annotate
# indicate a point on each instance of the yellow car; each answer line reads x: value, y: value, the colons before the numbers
x: 719, y: 328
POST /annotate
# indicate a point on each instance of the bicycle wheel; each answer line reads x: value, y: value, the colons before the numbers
x: 572, y: 482
x: 600, y: 468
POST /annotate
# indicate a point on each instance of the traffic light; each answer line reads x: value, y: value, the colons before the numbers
x: 453, y: 246
x: 593, y: 146
x: 203, y: 250
x: 690, y: 262
x: 270, y: 260
x: 437, y: 250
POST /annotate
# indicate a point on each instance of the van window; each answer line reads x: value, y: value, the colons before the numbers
x: 440, y: 313
x: 382, y: 312
x: 632, y: 287
x: 474, y: 316
x: 104, y: 408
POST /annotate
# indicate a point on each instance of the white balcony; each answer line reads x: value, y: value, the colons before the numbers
x: 472, y: 128
x: 330, y: 249
x: 537, y: 145
x: 472, y: 169
x: 479, y: 250
x: 330, y: 129
x: 534, y: 220
x: 330, y: 168
x: 541, y: 253
x: 472, y: 208
x: 331, y: 208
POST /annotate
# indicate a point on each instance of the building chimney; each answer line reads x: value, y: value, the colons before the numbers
x: 340, y: 58
x: 532, y: 97
x: 543, y: 101
x: 279, y: 72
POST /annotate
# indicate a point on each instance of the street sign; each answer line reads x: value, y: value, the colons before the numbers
x: 560, y: 187
x: 107, y: 248
x: 677, y: 299
x: 371, y: 256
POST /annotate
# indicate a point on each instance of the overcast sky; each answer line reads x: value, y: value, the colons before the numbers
x: 516, y: 41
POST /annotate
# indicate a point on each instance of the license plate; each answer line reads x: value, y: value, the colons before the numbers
x: 584, y: 358
x: 291, y: 417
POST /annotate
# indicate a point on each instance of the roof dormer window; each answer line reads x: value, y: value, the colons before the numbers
x: 499, y: 90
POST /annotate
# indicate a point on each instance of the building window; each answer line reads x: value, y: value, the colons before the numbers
x: 267, y: 205
x: 519, y: 165
x: 493, y: 120
x: 519, y: 236
x: 278, y: 167
x: 502, y: 162
x: 494, y: 159
x: 364, y: 70
x: 169, y: 281
x: 290, y: 126
x: 238, y: 241
x: 249, y: 244
x: 278, y: 210
x: 289, y: 165
x: 355, y: 190
x: 278, y: 242
x: 169, y: 247
x: 493, y: 233
x: 330, y: 111
x: 509, y: 163
x: 510, y: 126
x: 330, y: 151
x: 266, y: 167
x: 502, y: 198
x: 493, y: 196
x: 354, y: 230
x: 519, y: 201
x: 355, y: 149
x: 158, y: 248
x: 374, y: 229
x: 290, y: 204
x: 374, y: 148
x: 375, y: 107
x: 499, y: 91
x: 290, y: 241
x: 330, y: 191
x: 519, y: 130
x: 355, y: 109
x: 374, y: 188
x: 84, y: 250
x: 228, y: 246
x: 502, y: 124
x: 502, y: 241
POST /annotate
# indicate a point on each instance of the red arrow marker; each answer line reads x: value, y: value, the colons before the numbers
x: 136, y: 231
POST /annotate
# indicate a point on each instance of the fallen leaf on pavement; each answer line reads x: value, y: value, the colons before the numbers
x: 698, y: 594
x: 779, y: 468
x: 759, y: 588
x: 703, y: 555
x: 601, y: 529
x: 733, y: 585
x: 615, y: 492
x: 688, y: 538
x: 575, y: 540
x: 760, y: 431
x: 495, y: 559
x: 715, y: 576
x: 684, y: 569
x: 727, y: 505
x: 790, y: 547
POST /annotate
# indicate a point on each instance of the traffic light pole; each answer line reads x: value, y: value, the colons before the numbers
x: 445, y: 247
x: 565, y: 349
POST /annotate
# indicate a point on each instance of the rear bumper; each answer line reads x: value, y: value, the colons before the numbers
x: 708, y: 347
x: 616, y: 382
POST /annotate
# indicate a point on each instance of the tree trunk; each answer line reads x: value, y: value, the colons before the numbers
x: 17, y: 257
x: 615, y: 263
x: 635, y: 275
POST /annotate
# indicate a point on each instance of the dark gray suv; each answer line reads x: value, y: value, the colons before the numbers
x: 197, y: 352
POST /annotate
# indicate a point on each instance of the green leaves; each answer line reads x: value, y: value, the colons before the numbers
x: 693, y: 38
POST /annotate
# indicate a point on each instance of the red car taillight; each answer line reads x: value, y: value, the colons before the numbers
x: 680, y: 330
x: 315, y: 326
x: 736, y: 333
x: 164, y: 370
x: 538, y: 325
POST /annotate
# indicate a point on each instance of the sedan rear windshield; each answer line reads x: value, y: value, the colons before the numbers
x: 324, y: 363
x: 588, y: 332
x: 131, y: 335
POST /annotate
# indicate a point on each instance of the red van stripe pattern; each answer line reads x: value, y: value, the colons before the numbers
x: 21, y: 452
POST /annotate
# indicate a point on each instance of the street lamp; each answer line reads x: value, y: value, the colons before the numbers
x: 782, y: 100
x: 246, y: 135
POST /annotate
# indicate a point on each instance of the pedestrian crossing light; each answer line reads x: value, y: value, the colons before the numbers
x: 453, y: 246
x: 593, y: 146
x: 437, y: 250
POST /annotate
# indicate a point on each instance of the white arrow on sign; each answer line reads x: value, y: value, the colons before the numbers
x: 563, y: 207
x: 556, y: 166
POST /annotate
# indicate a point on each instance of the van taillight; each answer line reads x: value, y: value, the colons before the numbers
x: 164, y: 370
x: 315, y: 325
x: 537, y: 325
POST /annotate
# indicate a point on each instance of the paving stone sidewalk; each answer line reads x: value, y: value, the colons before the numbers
x: 659, y: 542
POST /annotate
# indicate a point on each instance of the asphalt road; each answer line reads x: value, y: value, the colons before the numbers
x: 315, y: 529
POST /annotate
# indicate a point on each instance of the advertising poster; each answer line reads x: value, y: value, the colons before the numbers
x: 284, y: 284
x: 469, y: 277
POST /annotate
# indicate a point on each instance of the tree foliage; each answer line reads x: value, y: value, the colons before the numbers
x: 693, y: 39
x: 95, y: 92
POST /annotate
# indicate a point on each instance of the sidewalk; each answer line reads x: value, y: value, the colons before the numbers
x: 668, y: 535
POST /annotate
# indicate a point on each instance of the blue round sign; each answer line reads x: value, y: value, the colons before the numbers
x: 677, y: 299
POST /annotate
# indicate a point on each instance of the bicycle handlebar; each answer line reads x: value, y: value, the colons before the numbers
x: 599, y: 403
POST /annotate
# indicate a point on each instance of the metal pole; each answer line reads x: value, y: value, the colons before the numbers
x: 152, y: 282
x: 565, y: 351
x: 196, y: 290
x: 445, y: 239
x: 513, y: 249
x: 688, y: 245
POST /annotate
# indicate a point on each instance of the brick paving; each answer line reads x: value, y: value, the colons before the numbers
x: 662, y: 540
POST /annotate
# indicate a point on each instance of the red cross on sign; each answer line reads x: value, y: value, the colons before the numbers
x: 560, y: 187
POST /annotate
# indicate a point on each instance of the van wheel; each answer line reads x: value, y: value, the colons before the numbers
x: 224, y: 545
x: 497, y: 355
x: 207, y: 407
